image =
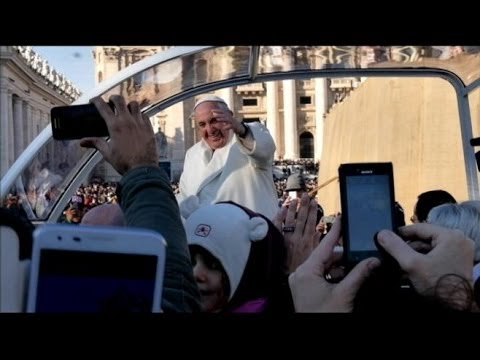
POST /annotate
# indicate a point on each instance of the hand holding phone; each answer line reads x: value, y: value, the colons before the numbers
x: 132, y: 144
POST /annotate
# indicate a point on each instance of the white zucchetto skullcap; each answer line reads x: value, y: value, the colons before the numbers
x: 207, y: 98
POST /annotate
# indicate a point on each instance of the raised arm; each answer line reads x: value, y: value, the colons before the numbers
x: 258, y: 144
x: 253, y: 138
x: 146, y: 196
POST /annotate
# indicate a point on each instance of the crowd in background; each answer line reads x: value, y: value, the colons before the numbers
x: 308, y: 166
x: 98, y: 192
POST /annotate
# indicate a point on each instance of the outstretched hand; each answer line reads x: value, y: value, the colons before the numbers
x: 132, y: 141
x: 301, y: 237
x: 227, y: 121
x: 312, y: 293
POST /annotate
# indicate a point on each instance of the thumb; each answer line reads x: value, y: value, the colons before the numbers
x: 97, y: 143
x: 355, y: 278
x: 399, y: 249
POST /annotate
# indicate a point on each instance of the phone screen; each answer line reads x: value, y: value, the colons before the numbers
x: 368, y: 202
x: 292, y: 194
x: 76, y: 122
x: 81, y: 281
x: 368, y: 209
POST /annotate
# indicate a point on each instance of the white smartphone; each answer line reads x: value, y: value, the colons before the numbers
x: 96, y: 269
x: 292, y: 194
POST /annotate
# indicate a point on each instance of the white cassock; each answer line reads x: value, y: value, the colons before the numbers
x: 233, y: 173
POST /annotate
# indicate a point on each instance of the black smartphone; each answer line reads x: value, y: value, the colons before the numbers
x: 76, y: 122
x: 368, y: 206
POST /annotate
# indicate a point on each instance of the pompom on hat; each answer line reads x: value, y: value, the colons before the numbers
x: 226, y: 231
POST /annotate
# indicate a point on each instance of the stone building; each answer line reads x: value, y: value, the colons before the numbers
x: 29, y: 88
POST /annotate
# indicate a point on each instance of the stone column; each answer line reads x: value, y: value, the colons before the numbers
x: 30, y: 123
x: 26, y: 125
x: 51, y: 144
x: 4, y: 130
x: 42, y: 155
x: 18, y: 125
x: 38, y: 121
x: 11, y: 149
x: 320, y: 108
x: 227, y: 95
x: 34, y: 122
x: 290, y: 119
x: 272, y: 113
x: 41, y: 120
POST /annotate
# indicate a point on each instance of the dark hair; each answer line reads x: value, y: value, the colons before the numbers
x: 76, y: 205
x: 387, y: 291
x: 320, y: 213
x: 17, y: 219
x: 265, y: 273
x: 430, y: 199
x: 476, y: 291
x: 399, y: 215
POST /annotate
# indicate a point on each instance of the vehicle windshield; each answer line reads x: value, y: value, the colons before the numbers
x: 350, y: 104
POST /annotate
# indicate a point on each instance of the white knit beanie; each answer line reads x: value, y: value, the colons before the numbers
x: 226, y: 231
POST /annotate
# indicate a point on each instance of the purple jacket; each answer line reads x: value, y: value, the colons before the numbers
x: 253, y: 306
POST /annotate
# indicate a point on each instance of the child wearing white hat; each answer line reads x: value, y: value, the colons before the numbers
x: 238, y: 258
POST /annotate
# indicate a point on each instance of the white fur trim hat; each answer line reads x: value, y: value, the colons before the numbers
x: 210, y: 98
x: 226, y: 231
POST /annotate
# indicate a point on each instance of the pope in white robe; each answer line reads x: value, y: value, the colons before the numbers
x: 233, y: 161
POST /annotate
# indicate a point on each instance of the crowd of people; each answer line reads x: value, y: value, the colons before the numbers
x: 99, y: 192
x: 282, y: 188
x: 307, y: 166
x: 234, y: 247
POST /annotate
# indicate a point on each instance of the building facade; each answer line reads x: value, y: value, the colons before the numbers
x: 29, y: 88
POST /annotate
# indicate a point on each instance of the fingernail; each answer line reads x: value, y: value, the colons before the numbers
x: 382, y: 237
x: 373, y: 264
